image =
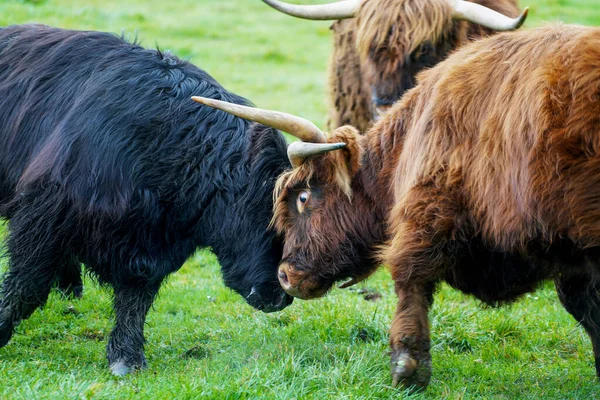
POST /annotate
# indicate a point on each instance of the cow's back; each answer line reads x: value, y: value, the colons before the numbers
x: 510, y: 126
x: 109, y: 122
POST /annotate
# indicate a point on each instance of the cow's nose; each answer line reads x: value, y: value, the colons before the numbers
x: 283, y: 279
x: 289, y: 286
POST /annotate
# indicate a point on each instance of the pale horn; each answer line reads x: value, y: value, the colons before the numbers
x: 478, y: 14
x: 323, y: 12
x: 313, y: 141
x: 299, y: 151
x: 295, y: 126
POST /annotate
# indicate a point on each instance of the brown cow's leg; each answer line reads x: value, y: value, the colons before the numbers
x: 417, y: 255
x: 580, y: 295
x: 409, y: 337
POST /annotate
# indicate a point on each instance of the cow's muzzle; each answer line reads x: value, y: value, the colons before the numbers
x: 299, y: 283
x: 268, y: 298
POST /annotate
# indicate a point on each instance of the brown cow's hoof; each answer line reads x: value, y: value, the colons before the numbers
x: 414, y: 373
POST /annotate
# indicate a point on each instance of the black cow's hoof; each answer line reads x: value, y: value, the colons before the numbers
x: 414, y: 373
x: 6, y: 332
x: 121, y: 368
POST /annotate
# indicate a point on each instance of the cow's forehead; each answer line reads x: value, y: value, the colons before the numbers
x: 404, y: 25
x: 310, y: 172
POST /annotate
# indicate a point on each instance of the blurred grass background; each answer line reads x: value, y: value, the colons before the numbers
x: 203, y: 340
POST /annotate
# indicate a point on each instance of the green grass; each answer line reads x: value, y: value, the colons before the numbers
x: 203, y: 340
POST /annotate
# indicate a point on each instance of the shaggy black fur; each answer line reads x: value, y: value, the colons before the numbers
x: 105, y: 160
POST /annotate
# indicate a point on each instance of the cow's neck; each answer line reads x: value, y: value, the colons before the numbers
x: 381, y: 149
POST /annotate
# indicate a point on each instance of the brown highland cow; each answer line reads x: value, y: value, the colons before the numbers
x: 380, y: 45
x: 485, y: 176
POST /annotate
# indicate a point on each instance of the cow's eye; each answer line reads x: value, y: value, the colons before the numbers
x: 302, y: 200
x: 426, y: 49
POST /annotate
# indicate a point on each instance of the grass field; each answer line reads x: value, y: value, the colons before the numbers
x: 203, y: 340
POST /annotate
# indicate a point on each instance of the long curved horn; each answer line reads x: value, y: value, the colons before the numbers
x: 296, y: 126
x: 340, y: 10
x: 487, y: 17
x: 299, y: 151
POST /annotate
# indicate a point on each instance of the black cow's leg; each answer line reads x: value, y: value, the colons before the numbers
x: 34, y: 257
x: 69, y: 281
x: 125, y: 350
x: 580, y: 295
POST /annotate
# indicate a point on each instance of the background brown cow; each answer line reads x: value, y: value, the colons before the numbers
x: 377, y: 54
x: 486, y: 176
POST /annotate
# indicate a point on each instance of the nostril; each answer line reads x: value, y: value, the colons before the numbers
x: 283, y: 278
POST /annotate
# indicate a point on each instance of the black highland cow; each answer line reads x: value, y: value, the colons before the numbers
x: 105, y: 160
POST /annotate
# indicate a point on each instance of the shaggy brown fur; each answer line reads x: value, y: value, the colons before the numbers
x: 486, y: 176
x: 349, y: 96
x: 378, y: 53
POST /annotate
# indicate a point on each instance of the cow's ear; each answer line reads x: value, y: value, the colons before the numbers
x: 347, y: 160
x: 352, y: 153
